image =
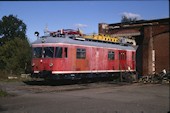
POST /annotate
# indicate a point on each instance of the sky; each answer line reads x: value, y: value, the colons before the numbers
x: 86, y: 15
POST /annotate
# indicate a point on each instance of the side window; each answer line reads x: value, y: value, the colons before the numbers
x: 111, y: 55
x: 58, y: 52
x: 81, y: 53
x: 65, y: 52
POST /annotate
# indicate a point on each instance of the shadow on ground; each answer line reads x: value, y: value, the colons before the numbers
x: 69, y: 82
x: 2, y: 109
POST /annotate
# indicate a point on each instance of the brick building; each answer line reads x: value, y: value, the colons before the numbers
x: 152, y: 38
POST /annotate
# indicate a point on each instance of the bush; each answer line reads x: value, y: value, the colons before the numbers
x: 15, y: 56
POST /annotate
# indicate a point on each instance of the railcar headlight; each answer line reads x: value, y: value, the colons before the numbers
x: 51, y: 64
x: 33, y: 64
x: 41, y: 60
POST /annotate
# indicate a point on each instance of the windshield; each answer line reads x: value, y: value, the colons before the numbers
x: 37, y: 52
x: 48, y: 52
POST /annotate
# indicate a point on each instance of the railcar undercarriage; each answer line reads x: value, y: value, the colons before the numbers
x: 116, y: 76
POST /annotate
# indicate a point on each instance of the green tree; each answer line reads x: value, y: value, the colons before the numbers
x: 15, y: 55
x: 126, y: 19
x: 11, y: 27
x: 14, y: 47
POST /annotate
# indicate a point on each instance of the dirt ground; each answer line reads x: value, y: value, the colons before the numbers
x: 100, y: 97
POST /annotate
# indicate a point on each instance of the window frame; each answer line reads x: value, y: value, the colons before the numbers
x: 111, y: 55
x: 81, y: 53
x: 44, y: 52
x: 33, y: 52
x: 60, y: 55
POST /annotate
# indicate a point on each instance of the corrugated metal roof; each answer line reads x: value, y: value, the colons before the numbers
x: 78, y: 42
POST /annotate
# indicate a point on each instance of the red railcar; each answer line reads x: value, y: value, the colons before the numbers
x: 65, y: 57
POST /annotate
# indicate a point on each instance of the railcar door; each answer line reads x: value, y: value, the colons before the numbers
x: 122, y: 60
x: 81, y: 62
x: 58, y: 59
x: 93, y: 58
x: 111, y: 59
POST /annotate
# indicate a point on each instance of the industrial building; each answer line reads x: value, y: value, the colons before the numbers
x: 152, y: 39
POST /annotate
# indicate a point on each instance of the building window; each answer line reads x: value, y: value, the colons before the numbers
x: 65, y: 52
x: 58, y: 52
x: 81, y: 53
x: 111, y: 55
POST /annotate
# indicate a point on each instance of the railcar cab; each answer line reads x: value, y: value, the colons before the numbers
x: 46, y: 57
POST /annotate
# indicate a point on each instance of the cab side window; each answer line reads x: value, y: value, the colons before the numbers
x: 58, y: 52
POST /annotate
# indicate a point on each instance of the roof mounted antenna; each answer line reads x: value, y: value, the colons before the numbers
x: 46, y: 30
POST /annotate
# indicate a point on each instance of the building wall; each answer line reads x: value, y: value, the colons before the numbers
x: 147, y: 50
x: 153, y: 43
x: 162, y: 51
